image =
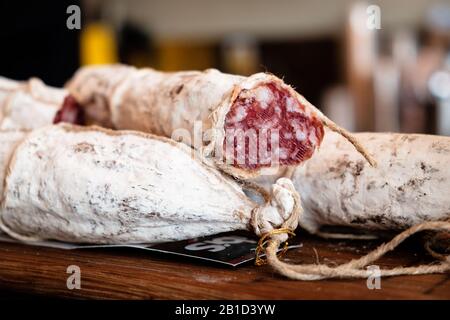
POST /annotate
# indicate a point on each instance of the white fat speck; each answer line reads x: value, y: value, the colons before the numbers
x: 300, y: 135
x: 283, y: 153
x: 278, y: 110
x: 291, y: 106
x: 287, y: 135
x: 264, y: 96
x: 241, y: 113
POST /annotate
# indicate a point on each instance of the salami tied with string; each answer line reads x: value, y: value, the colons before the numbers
x: 410, y: 185
x: 92, y: 185
x: 246, y: 124
x: 341, y: 192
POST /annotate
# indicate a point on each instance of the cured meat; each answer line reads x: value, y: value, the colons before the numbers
x: 245, y: 124
x: 92, y: 87
x: 71, y: 112
x: 7, y: 86
x: 9, y: 140
x: 410, y: 185
x: 92, y: 185
x: 284, y: 121
x: 28, y: 105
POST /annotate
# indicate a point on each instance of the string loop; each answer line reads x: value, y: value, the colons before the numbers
x: 353, y: 269
x: 259, y: 260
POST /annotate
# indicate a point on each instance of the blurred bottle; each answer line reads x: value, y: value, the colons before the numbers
x: 98, y: 44
x: 414, y: 67
x: 386, y: 84
x: 360, y: 59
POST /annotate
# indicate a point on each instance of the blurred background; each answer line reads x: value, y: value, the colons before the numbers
x: 378, y: 65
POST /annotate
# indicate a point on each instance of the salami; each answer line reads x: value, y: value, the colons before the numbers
x: 246, y: 124
x: 410, y: 185
x: 92, y: 185
x: 70, y: 113
x: 9, y: 140
x: 28, y: 105
x: 6, y: 87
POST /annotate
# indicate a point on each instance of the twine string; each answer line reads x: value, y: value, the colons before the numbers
x: 271, y: 241
x: 263, y: 241
x: 353, y: 269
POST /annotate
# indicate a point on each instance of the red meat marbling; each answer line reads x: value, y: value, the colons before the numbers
x: 265, y: 110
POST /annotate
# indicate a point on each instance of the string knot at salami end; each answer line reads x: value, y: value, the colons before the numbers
x: 262, y: 243
x: 277, y: 218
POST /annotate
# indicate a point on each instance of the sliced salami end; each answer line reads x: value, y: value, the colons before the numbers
x: 70, y: 112
x: 268, y: 125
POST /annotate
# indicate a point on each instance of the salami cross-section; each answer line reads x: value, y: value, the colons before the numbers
x: 246, y: 123
x: 278, y: 125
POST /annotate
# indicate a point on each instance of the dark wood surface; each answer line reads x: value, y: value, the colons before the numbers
x: 131, y: 274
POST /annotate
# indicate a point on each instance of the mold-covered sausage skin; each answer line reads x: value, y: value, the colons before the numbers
x: 410, y: 185
x: 85, y: 184
x: 27, y: 105
x: 282, y: 126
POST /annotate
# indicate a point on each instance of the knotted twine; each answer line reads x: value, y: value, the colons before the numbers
x: 271, y: 241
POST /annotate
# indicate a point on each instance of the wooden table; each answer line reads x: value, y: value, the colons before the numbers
x: 133, y: 274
